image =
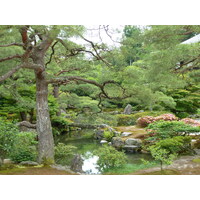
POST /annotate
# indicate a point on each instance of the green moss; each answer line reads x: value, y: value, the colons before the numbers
x: 163, y: 172
x: 196, y: 160
x: 129, y: 168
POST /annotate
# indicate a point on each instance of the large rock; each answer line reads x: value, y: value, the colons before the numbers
x: 99, y: 134
x: 133, y: 141
x: 117, y: 142
x: 131, y: 148
x: 128, y: 110
x: 29, y: 163
x: 77, y: 163
x: 7, y: 161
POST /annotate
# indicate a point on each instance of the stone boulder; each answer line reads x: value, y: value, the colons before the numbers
x: 77, y: 164
x: 128, y: 110
x: 29, y: 163
x: 117, y: 142
x: 103, y: 142
x: 99, y: 134
x: 7, y: 161
x: 131, y: 148
x: 133, y: 141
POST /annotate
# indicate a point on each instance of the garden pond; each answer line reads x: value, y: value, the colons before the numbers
x: 83, y: 140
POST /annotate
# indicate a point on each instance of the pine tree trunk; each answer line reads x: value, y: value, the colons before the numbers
x: 44, y: 129
x: 43, y: 123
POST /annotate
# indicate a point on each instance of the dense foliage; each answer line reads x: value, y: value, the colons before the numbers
x: 109, y: 157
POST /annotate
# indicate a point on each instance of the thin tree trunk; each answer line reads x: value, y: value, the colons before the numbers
x: 56, y: 95
x: 31, y: 113
x: 23, y: 116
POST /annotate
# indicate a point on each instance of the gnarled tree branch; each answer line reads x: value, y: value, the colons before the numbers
x: 10, y: 73
x: 12, y: 44
x: 10, y: 57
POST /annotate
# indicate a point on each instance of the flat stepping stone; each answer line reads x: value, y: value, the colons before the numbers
x: 124, y: 134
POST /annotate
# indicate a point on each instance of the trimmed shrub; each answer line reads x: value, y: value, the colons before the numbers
x: 145, y: 121
x: 167, y: 129
x: 24, y: 147
x: 8, y: 132
x: 108, y: 135
x: 64, y: 153
x: 191, y: 122
x: 109, y: 157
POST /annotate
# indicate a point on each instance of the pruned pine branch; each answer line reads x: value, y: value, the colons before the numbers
x: 183, y: 64
x: 10, y: 57
x: 52, y: 53
x: 63, y: 80
x: 12, y: 44
x: 67, y: 70
x: 95, y: 48
x: 35, y: 67
x: 76, y: 51
x: 10, y: 73
x: 27, y: 124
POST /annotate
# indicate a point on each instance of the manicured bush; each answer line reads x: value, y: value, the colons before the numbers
x: 176, y: 145
x: 145, y: 121
x: 162, y: 155
x: 108, y: 135
x: 8, y: 132
x: 190, y: 121
x: 125, y: 120
x: 109, y: 157
x: 167, y: 129
x: 24, y: 147
x: 64, y: 153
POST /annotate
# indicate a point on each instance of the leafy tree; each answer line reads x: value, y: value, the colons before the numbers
x: 109, y: 157
x: 162, y: 155
x: 32, y: 48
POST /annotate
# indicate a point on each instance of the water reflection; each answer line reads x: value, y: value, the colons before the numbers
x: 90, y: 163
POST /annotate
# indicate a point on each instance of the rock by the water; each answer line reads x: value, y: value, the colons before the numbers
x: 77, y: 163
x: 133, y: 141
x: 117, y: 142
x: 131, y: 148
x: 128, y: 110
x: 103, y: 142
x: 124, y: 134
x: 99, y: 134
x: 29, y: 163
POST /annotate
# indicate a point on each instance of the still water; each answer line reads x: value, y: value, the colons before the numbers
x: 85, y: 144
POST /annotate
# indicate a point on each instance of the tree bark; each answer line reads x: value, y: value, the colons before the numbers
x: 43, y: 123
x: 56, y: 95
x: 23, y: 116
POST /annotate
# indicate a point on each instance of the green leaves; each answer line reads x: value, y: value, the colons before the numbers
x: 109, y: 157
